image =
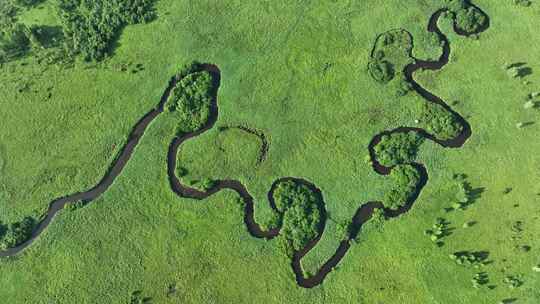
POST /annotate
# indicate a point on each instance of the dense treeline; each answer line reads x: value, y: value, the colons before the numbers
x: 406, y: 179
x: 190, y: 101
x: 398, y: 148
x: 90, y: 26
x: 16, y: 233
x: 302, y: 214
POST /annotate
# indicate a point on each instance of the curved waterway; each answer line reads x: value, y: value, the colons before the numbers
x: 362, y: 215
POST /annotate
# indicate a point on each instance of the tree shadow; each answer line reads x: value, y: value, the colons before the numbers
x: 49, y: 36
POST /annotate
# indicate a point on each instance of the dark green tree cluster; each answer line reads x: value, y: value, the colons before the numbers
x: 8, y: 13
x: 406, y: 179
x: 27, y: 2
x: 191, y: 99
x: 467, y: 17
x: 90, y: 26
x: 17, y: 39
x: 391, y: 53
x: 14, y: 41
x: 301, y: 212
x: 16, y: 233
x: 398, y: 148
x: 439, y: 122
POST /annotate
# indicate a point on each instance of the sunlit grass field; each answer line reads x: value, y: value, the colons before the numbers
x: 296, y: 71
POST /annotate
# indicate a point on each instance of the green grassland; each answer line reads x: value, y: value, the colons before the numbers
x: 297, y: 72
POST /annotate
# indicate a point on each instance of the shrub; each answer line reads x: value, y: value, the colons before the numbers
x: 406, y: 179
x: 467, y: 258
x: 344, y: 230
x: 90, y: 26
x: 207, y: 184
x: 302, y: 213
x: 523, y: 2
x: 480, y: 279
x: 375, y: 223
x: 17, y: 233
x: 190, y: 101
x: 513, y: 281
x: 439, y: 122
x: 398, y: 148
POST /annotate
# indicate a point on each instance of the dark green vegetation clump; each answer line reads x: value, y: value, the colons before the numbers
x: 406, y: 179
x: 91, y: 26
x: 14, y: 41
x: 191, y: 99
x: 467, y: 17
x: 469, y: 258
x: 398, y: 148
x: 16, y: 233
x: 302, y: 214
x: 522, y: 2
x: 439, y: 122
x: 390, y: 54
x: 27, y: 3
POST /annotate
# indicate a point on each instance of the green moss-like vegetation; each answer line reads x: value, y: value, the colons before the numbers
x: 405, y: 180
x: 190, y: 101
x: 398, y: 148
x: 302, y: 214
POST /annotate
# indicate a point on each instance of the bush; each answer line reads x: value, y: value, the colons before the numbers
x: 302, y: 213
x: 470, y: 259
x: 190, y: 101
x: 523, y: 2
x: 406, y: 179
x: 90, y: 26
x: 17, y: 233
x: 439, y: 122
x: 398, y: 148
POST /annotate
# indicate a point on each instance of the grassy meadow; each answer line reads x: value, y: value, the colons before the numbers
x: 297, y: 72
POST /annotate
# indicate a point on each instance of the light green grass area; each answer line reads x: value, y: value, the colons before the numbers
x: 296, y: 71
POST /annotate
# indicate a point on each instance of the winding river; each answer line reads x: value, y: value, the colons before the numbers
x: 362, y: 215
